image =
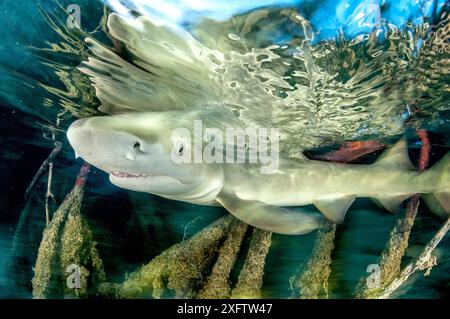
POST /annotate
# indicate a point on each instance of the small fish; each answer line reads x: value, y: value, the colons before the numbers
x: 350, y: 151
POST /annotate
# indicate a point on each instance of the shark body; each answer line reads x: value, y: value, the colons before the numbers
x: 135, y: 150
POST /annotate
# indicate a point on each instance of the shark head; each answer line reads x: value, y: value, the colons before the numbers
x: 138, y: 150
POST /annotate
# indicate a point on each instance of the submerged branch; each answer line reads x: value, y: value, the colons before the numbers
x: 312, y: 282
x: 67, y: 240
x: 48, y: 194
x: 179, y: 270
x: 391, y: 258
x: 42, y: 169
x: 424, y: 261
x: 217, y: 285
x: 251, y: 277
x: 48, y: 161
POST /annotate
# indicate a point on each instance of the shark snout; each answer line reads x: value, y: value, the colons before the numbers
x: 136, y: 152
x: 103, y: 146
x: 78, y: 136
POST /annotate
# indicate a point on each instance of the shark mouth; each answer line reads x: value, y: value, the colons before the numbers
x: 129, y: 175
x: 136, y: 177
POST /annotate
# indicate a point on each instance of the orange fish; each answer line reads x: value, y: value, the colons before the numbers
x: 350, y: 151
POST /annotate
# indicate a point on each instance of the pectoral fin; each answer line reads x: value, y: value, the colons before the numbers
x: 336, y: 208
x: 272, y: 218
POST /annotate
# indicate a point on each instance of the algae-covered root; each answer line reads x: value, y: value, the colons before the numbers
x: 251, y: 277
x: 67, y: 240
x: 312, y: 281
x: 180, y: 270
x: 217, y: 286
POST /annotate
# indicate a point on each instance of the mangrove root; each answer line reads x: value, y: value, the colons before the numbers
x: 424, y: 261
x: 217, y: 285
x: 312, y: 281
x: 178, y: 271
x: 42, y: 169
x: 251, y: 277
x: 67, y: 241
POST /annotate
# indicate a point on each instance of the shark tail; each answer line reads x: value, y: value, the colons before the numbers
x: 439, y: 201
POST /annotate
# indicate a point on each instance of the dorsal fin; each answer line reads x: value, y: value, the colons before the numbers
x: 336, y: 208
x: 396, y: 156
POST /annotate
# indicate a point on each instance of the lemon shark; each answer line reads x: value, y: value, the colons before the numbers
x: 162, y: 77
x: 136, y: 151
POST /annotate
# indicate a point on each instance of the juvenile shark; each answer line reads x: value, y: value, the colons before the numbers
x: 135, y: 150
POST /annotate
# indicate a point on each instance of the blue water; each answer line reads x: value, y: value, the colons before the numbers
x: 327, y: 17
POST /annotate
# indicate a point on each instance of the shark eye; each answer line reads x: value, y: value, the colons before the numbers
x: 137, y: 145
x: 181, y: 149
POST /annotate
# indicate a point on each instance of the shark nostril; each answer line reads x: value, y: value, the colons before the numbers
x: 138, y: 148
